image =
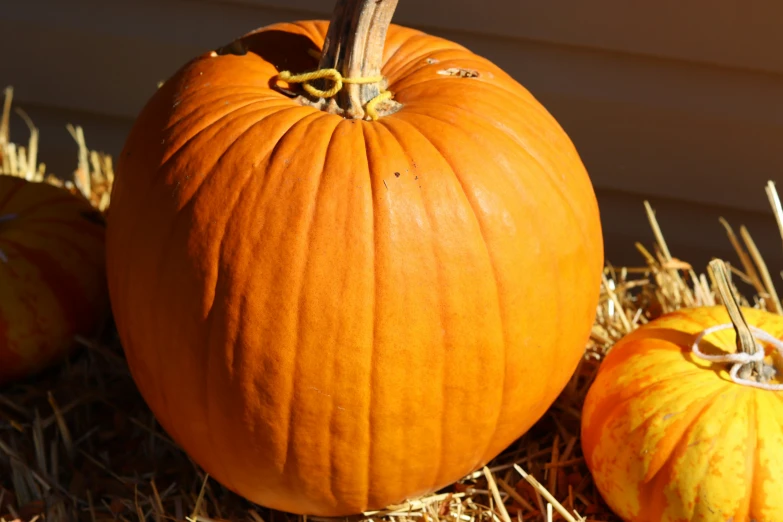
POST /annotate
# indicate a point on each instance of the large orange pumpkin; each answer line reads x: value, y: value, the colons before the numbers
x: 331, y: 313
x: 52, y: 275
x: 669, y: 436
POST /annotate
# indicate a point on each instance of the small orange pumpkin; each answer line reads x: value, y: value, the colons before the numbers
x: 52, y: 274
x: 337, y: 300
x: 670, y: 436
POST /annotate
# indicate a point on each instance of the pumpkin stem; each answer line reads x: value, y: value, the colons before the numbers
x: 745, y: 341
x: 354, y: 46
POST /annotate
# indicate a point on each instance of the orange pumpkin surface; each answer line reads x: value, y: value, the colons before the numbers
x: 52, y: 275
x: 668, y: 436
x: 331, y: 314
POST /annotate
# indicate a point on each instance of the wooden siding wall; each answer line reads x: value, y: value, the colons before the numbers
x: 677, y: 102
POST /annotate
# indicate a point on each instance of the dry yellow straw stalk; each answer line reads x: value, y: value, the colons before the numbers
x: 93, y: 177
